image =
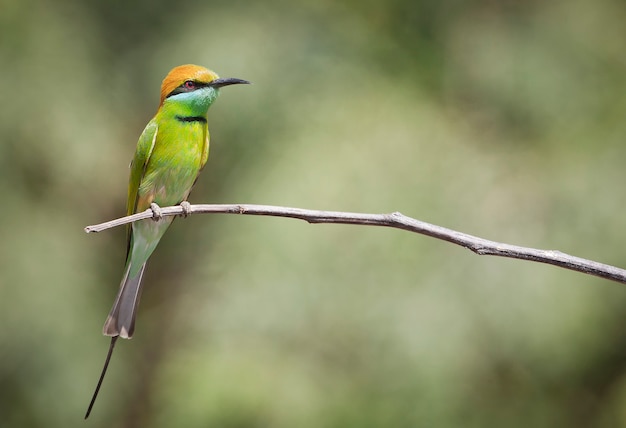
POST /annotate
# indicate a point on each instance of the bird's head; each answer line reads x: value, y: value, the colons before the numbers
x: 194, y: 85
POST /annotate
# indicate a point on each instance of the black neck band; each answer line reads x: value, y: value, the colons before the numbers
x: 191, y: 119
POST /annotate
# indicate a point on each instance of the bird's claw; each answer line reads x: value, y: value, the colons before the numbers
x: 186, y: 206
x: 156, y: 212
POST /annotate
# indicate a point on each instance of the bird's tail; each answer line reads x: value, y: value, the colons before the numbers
x: 121, y: 319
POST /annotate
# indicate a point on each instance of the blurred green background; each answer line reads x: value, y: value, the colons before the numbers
x: 501, y: 119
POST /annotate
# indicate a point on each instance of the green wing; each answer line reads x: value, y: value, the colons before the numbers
x: 145, y: 145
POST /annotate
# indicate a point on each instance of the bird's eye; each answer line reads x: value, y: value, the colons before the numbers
x: 190, y: 84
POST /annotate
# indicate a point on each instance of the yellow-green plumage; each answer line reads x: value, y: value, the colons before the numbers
x: 171, y: 151
x: 170, y: 155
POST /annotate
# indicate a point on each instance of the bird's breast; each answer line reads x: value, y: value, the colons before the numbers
x: 174, y: 164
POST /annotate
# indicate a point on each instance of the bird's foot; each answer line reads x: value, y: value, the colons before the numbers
x: 156, y: 212
x: 186, y: 206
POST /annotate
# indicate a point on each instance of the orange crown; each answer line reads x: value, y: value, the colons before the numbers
x: 182, y: 73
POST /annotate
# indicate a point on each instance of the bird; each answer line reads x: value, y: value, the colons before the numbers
x: 171, y: 151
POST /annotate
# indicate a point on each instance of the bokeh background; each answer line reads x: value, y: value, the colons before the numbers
x: 504, y: 119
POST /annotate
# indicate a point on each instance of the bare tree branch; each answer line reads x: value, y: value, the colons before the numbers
x: 479, y: 246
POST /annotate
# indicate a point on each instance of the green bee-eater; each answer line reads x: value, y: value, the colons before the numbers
x: 171, y: 152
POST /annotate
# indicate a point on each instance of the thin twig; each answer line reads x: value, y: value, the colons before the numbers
x: 479, y: 246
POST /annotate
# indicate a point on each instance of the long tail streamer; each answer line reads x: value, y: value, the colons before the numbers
x: 104, y: 371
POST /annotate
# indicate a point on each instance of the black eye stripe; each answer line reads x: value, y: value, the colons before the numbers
x: 183, y: 88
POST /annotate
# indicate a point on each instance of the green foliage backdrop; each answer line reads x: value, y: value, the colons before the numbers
x: 500, y: 119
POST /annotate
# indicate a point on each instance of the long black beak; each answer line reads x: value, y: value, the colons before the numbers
x: 218, y: 83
